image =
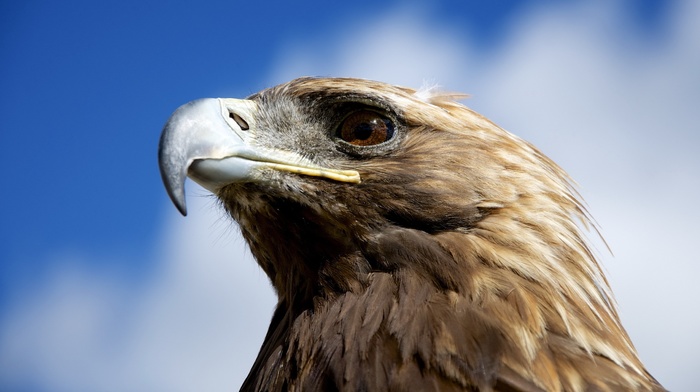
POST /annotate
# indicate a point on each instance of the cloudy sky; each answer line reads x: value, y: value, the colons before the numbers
x: 104, y: 287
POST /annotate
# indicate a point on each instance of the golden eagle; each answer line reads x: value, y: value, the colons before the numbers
x: 413, y: 244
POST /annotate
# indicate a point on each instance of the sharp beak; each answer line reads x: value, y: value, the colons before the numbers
x: 210, y: 140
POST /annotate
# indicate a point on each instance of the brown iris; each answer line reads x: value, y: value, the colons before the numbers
x: 366, y: 128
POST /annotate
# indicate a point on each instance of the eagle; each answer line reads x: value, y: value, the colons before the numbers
x: 412, y: 243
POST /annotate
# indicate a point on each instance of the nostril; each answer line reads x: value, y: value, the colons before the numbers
x: 239, y: 120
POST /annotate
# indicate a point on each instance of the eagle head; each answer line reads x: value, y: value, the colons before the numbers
x: 412, y: 242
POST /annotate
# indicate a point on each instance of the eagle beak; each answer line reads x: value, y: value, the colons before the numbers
x: 210, y: 140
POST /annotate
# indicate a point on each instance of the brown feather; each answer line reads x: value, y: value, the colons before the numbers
x: 456, y: 264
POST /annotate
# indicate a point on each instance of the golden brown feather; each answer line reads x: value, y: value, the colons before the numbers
x: 455, y: 264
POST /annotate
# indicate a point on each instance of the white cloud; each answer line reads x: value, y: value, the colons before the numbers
x: 188, y: 328
x: 620, y: 116
x: 400, y: 47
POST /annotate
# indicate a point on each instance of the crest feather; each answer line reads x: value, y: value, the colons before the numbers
x: 432, y: 93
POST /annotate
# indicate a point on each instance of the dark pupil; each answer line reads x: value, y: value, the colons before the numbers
x: 364, y: 131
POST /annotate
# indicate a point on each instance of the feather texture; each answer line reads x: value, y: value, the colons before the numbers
x: 456, y: 264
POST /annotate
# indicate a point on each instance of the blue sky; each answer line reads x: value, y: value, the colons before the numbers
x: 104, y: 287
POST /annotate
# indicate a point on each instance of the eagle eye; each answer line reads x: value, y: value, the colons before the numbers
x: 365, y: 128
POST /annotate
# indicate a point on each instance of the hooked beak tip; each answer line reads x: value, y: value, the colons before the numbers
x: 174, y: 184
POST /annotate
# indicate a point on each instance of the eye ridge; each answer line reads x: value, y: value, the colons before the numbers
x: 365, y: 128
